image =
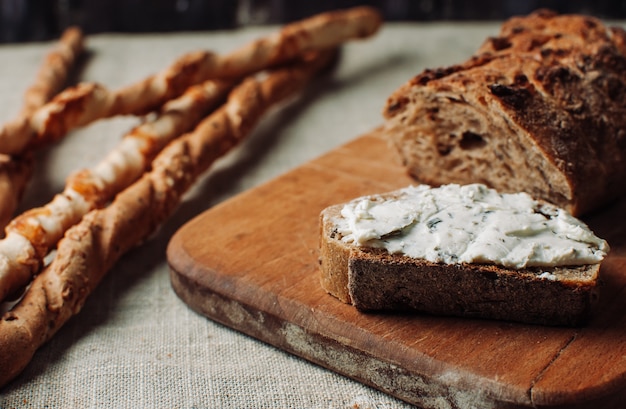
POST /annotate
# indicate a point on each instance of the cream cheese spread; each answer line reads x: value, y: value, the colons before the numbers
x: 470, y: 224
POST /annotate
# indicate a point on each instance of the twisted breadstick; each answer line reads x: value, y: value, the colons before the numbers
x: 323, y: 31
x: 53, y: 74
x: 90, y: 248
x: 31, y: 235
x: 51, y: 78
x: 86, y: 103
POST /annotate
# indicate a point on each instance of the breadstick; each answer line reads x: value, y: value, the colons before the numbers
x: 30, y: 236
x: 91, y: 247
x: 323, y: 31
x: 51, y: 78
x: 54, y: 72
x: 86, y: 103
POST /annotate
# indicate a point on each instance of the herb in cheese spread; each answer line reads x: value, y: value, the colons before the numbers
x: 471, y: 224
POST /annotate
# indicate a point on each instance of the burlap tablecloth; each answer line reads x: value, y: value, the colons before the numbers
x: 135, y: 344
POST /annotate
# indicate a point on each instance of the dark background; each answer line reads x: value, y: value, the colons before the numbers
x: 37, y: 20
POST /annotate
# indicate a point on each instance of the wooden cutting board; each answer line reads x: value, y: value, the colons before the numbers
x: 251, y: 263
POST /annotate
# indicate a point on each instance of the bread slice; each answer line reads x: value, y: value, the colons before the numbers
x: 372, y: 279
x: 541, y: 108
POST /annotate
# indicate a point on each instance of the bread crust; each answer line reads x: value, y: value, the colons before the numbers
x: 334, y: 256
x: 374, y: 280
x: 541, y: 107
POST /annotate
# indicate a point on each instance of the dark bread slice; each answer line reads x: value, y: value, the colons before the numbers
x: 374, y: 280
x: 541, y: 108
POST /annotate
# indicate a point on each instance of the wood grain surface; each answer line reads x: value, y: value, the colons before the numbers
x: 251, y: 263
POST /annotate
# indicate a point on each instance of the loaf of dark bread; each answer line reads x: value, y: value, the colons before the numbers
x: 372, y: 279
x: 541, y: 109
